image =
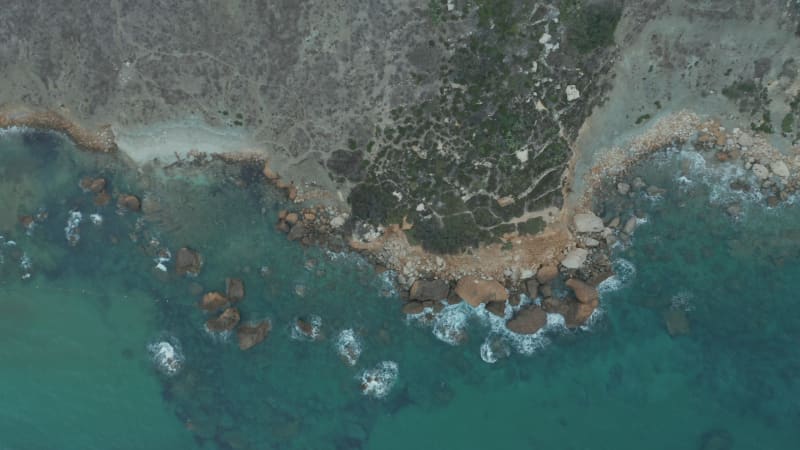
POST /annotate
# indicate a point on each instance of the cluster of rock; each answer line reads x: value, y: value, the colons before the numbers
x: 430, y: 297
x: 275, y: 179
x: 318, y: 225
x: 249, y: 334
x: 101, y: 140
x: 775, y: 174
x: 99, y: 186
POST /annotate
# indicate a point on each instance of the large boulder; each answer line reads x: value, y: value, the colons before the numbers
x: 188, y: 262
x: 546, y: 274
x: 528, y: 320
x: 413, y: 308
x: 225, y: 322
x: 129, y: 202
x: 476, y: 291
x: 588, y: 223
x: 251, y: 334
x: 234, y: 289
x: 213, y: 301
x: 575, y: 258
x: 585, y: 293
x: 429, y: 290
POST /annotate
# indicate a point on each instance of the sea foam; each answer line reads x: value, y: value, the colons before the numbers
x: 349, y: 347
x: 167, y: 356
x: 378, y: 381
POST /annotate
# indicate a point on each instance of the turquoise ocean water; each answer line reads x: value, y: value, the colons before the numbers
x: 77, y: 372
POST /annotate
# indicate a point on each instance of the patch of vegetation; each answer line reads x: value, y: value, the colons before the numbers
x: 787, y: 124
x: 590, y: 26
x: 531, y: 226
x: 740, y: 89
x: 454, y: 233
x: 643, y: 118
x: 765, y: 126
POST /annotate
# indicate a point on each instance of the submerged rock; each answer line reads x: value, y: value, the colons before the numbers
x: 225, y: 322
x: 129, y: 203
x: 188, y: 262
x: 429, y: 290
x: 251, y: 334
x: 213, y: 301
x: 413, y: 307
x: 528, y: 320
x: 677, y: 322
x: 234, y: 289
x: 476, y: 291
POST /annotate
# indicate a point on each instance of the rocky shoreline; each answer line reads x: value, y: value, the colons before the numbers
x: 571, y: 255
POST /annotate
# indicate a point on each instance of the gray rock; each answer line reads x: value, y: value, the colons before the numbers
x: 575, y: 258
x: 630, y: 225
x: 760, y: 171
x: 429, y: 290
x: 638, y: 184
x: 779, y: 168
x: 588, y: 223
x: 623, y: 188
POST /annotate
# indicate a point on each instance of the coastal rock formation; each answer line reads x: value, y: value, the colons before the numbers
x: 429, y: 290
x: 584, y: 292
x: 94, y: 185
x: 234, y: 289
x: 528, y: 320
x: 413, y: 308
x: 129, y: 202
x: 588, y: 223
x: 225, y: 322
x: 575, y: 258
x: 476, y: 291
x: 188, y: 262
x: 213, y: 301
x: 546, y: 274
x: 251, y: 334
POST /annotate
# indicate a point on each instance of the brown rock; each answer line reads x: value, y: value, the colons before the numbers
x: 129, y: 202
x: 226, y: 321
x: 413, y: 308
x: 514, y: 300
x: 585, y: 293
x: 251, y: 334
x: 578, y: 313
x: 309, y: 217
x: 429, y: 290
x: 772, y: 201
x: 292, y: 218
x: 282, y: 214
x: 97, y: 185
x: 546, y: 290
x: 555, y: 306
x: 476, y: 291
x: 26, y: 221
x: 283, y: 226
x: 188, y: 262
x: 308, y: 329
x: 546, y: 274
x: 528, y: 320
x: 497, y: 308
x: 531, y: 288
x: 234, y: 289
x: 677, y: 322
x: 102, y: 198
x: 213, y: 301
x: 268, y: 172
x: 291, y: 192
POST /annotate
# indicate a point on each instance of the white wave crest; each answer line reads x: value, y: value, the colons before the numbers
x: 167, y: 356
x: 494, y: 348
x: 72, y: 231
x: 378, y: 381
x: 349, y: 347
x: 450, y: 325
x: 624, y: 272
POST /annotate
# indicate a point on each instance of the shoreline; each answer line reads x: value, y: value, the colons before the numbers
x: 574, y: 247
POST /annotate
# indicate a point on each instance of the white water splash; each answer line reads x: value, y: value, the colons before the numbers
x: 167, y: 356
x: 378, y: 381
x: 349, y: 346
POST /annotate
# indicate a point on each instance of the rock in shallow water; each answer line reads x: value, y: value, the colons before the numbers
x: 251, y: 334
x: 225, y: 322
x: 429, y: 290
x: 528, y: 320
x: 213, y: 301
x: 234, y: 289
x: 188, y: 262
